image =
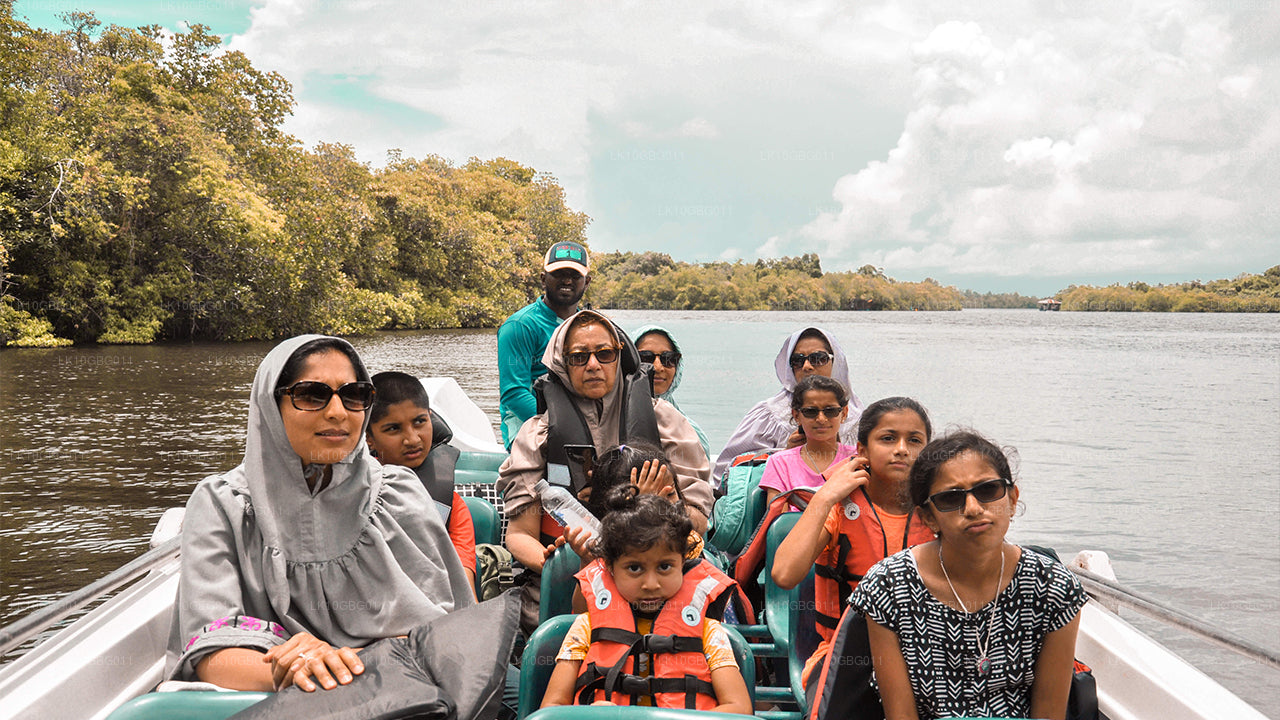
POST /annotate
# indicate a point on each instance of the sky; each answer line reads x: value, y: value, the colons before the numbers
x: 1001, y: 145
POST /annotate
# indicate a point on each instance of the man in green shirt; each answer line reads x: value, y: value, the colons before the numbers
x: 523, y: 337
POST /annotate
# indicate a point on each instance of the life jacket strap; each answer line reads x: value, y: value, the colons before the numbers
x: 636, y: 687
x: 647, y: 643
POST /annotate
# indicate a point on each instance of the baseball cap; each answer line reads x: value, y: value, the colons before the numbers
x: 566, y: 254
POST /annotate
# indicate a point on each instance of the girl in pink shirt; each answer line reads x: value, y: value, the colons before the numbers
x: 818, y: 407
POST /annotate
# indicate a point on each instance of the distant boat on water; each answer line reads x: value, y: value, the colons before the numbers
x: 1050, y: 304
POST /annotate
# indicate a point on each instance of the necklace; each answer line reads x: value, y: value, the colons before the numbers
x: 984, y: 658
x: 808, y: 456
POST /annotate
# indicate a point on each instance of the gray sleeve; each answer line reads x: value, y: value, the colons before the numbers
x: 210, y: 613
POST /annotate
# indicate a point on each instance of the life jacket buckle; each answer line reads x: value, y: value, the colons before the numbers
x: 659, y: 643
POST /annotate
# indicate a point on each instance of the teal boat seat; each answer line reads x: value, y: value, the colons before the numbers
x: 484, y: 516
x: 478, y: 467
x: 776, y: 637
x: 558, y: 583
x: 539, y: 660
x: 187, y: 705
x: 757, y: 506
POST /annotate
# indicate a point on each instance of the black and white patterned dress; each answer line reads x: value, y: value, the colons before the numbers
x: 940, y: 643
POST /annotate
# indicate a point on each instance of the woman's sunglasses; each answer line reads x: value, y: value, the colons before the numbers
x: 816, y: 359
x: 830, y: 411
x: 670, y: 358
x: 582, y: 357
x: 311, y: 395
x: 984, y: 492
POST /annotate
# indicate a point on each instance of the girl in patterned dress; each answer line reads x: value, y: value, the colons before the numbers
x: 970, y: 625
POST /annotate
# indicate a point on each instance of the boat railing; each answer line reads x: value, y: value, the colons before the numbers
x: 15, y: 634
x: 1105, y: 588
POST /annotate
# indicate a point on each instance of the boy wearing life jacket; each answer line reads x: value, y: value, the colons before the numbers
x: 403, y: 431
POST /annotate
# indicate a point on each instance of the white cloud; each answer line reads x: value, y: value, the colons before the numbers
x: 1129, y: 141
x: 1033, y: 138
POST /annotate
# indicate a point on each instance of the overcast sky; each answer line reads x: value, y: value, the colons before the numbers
x: 1001, y: 145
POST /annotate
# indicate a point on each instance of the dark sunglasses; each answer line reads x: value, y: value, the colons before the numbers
x: 816, y: 359
x: 670, y: 358
x: 830, y: 411
x: 311, y: 395
x: 582, y: 357
x: 984, y: 492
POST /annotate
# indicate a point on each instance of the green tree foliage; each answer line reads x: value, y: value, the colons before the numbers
x: 147, y: 195
x: 654, y: 281
x: 972, y: 299
x: 1245, y: 293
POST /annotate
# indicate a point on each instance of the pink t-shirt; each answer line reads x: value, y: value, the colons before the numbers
x: 787, y: 470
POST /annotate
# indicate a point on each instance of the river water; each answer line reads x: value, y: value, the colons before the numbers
x: 1154, y: 437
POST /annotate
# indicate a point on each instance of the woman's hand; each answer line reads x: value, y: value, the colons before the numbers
x: 653, y: 478
x: 303, y: 656
x: 795, y: 439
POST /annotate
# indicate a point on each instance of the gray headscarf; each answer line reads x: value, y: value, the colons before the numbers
x: 362, y: 557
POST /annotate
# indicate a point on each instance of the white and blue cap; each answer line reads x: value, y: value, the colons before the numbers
x: 566, y: 254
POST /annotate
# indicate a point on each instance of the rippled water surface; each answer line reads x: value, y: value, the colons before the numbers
x: 1153, y: 437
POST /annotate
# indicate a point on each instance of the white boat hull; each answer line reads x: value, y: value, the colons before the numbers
x: 110, y: 655
x: 1140, y: 679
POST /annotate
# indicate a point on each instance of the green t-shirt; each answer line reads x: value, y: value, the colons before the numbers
x: 522, y: 339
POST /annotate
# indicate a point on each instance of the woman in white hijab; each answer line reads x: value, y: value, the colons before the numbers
x: 309, y: 549
x: 767, y: 425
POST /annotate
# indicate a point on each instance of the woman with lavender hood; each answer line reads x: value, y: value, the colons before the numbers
x: 768, y: 425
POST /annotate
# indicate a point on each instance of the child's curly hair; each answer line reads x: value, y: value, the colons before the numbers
x: 635, y: 522
x: 613, y: 468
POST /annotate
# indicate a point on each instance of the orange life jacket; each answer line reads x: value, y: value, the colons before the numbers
x: 680, y: 676
x: 860, y: 544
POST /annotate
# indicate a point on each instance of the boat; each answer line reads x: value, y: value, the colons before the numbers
x: 116, y: 651
x: 1049, y: 304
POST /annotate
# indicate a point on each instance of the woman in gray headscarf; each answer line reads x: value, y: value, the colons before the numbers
x: 309, y: 548
x: 768, y: 425
x: 594, y: 384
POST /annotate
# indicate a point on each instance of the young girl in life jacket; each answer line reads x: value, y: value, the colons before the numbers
x: 647, y: 638
x: 859, y: 516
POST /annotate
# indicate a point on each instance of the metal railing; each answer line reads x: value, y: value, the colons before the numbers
x: 13, y: 635
x: 1108, y: 589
